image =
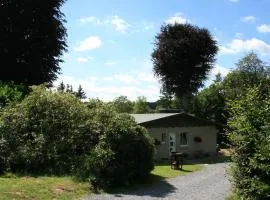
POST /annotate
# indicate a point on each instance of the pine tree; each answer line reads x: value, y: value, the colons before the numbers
x: 80, y: 93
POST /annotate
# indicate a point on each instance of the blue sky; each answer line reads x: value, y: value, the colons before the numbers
x: 110, y: 42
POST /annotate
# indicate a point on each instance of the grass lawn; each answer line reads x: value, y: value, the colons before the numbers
x: 164, y: 170
x: 41, y: 188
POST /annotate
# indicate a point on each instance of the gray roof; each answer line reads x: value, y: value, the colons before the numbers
x: 141, y: 118
x: 183, y: 119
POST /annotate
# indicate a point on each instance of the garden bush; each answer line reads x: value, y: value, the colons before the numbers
x: 10, y: 92
x: 46, y: 133
x: 124, y: 154
x: 55, y: 133
x: 250, y: 135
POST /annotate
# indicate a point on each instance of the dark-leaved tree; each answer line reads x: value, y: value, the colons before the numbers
x: 32, y: 40
x: 80, y: 93
x: 183, y: 56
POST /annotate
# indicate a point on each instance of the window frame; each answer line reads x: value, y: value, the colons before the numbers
x: 187, y: 139
x: 163, y: 137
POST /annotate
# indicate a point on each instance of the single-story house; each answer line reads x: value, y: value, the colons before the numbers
x: 179, y: 132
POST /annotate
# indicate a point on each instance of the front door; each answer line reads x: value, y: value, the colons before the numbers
x: 172, y: 143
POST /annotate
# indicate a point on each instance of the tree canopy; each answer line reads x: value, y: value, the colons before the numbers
x: 33, y: 39
x: 183, y: 56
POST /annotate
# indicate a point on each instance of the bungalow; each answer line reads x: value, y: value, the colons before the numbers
x: 179, y: 132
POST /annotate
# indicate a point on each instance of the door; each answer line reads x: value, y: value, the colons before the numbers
x: 172, y: 143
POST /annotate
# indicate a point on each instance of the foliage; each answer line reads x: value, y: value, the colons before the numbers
x: 122, y: 104
x: 250, y: 72
x: 61, y: 87
x: 123, y: 155
x: 250, y: 135
x: 46, y: 133
x: 210, y: 104
x: 183, y: 56
x: 11, y: 93
x: 164, y: 102
x: 141, y: 105
x: 55, y: 133
x: 33, y: 38
x: 80, y: 94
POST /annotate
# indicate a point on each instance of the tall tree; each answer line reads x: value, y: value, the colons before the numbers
x: 32, y: 40
x: 80, y: 93
x: 61, y: 87
x: 250, y: 72
x: 141, y: 105
x: 122, y: 104
x: 183, y: 56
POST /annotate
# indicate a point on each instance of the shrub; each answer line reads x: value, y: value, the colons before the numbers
x: 123, y: 155
x: 55, y: 133
x: 11, y: 93
x: 250, y: 135
x: 47, y: 132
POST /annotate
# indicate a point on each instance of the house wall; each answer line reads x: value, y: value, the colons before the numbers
x: 207, y: 146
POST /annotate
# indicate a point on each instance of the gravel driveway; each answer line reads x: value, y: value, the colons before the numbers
x: 209, y: 183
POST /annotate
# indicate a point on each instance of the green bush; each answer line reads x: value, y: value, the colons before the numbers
x: 250, y: 135
x: 46, y: 133
x: 55, y: 133
x: 124, y: 154
x: 11, y: 93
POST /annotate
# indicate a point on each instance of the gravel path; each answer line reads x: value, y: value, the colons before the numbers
x: 211, y: 183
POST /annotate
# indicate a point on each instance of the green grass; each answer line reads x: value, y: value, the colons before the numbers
x: 30, y: 188
x: 233, y: 197
x: 58, y: 188
x: 165, y: 171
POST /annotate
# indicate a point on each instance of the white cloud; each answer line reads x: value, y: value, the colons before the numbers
x: 178, y: 18
x: 119, y: 24
x: 126, y: 78
x: 249, y: 19
x: 110, y: 63
x: 89, y: 43
x: 107, y: 78
x: 219, y: 69
x: 84, y: 59
x: 264, y: 28
x: 95, y: 87
x: 91, y: 19
x: 238, y: 46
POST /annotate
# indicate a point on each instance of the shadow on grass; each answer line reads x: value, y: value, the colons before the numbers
x: 184, y: 170
x: 155, y: 186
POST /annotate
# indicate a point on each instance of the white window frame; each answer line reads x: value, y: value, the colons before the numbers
x: 180, y: 141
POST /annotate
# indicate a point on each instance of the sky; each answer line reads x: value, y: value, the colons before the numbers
x: 110, y: 42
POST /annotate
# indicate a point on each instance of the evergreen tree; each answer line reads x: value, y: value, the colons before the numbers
x: 80, y: 93
x: 61, y: 87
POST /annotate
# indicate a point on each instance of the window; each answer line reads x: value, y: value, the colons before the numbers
x: 163, y: 137
x: 183, y: 139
